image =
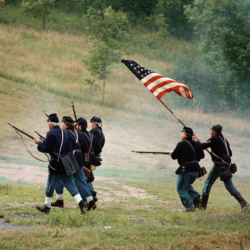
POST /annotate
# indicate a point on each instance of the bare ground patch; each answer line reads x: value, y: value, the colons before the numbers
x: 4, y: 226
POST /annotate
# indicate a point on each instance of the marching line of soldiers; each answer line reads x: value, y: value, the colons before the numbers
x: 85, y: 146
x: 189, y: 152
x: 75, y: 152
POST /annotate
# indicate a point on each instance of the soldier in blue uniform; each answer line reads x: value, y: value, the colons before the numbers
x: 81, y: 125
x: 82, y: 148
x: 97, y: 131
x: 188, y: 153
x: 56, y: 143
x: 221, y: 150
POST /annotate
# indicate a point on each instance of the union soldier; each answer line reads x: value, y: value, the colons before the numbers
x: 56, y: 143
x: 188, y: 153
x: 221, y: 153
x: 81, y: 125
x: 80, y: 179
x: 97, y: 131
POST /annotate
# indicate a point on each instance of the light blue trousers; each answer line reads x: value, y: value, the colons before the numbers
x: 212, y: 177
x: 81, y: 183
x: 185, y: 190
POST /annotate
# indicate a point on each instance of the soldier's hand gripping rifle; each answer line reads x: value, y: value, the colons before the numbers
x: 41, y: 137
x: 154, y: 153
x: 30, y: 136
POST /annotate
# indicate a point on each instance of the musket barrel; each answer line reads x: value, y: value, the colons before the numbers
x: 73, y: 107
x: 45, y: 113
x: 154, y: 153
x: 31, y: 137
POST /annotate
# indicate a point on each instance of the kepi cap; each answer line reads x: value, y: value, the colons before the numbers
x: 67, y: 119
x: 217, y: 128
x: 188, y: 130
x: 81, y: 121
x: 53, y: 118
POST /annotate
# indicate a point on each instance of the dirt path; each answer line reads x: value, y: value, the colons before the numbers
x: 29, y: 173
x: 113, y: 192
x: 4, y: 226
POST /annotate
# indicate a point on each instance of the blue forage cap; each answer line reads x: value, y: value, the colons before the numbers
x: 188, y: 130
x: 217, y: 128
x: 96, y: 119
x: 81, y: 121
x: 53, y: 118
x: 67, y: 119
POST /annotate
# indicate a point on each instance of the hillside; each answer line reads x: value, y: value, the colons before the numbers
x: 43, y: 71
x: 138, y: 205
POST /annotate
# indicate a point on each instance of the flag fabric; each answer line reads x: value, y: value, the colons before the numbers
x: 158, y: 85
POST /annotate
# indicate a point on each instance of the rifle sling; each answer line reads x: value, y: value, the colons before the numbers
x: 27, y: 148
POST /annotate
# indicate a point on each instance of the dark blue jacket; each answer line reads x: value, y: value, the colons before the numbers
x: 96, y: 147
x: 84, y: 146
x: 217, y: 145
x: 184, y: 153
x: 99, y: 135
x: 53, y: 140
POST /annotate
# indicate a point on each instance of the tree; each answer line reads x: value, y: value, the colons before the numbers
x: 173, y: 11
x: 37, y: 8
x: 223, y: 26
x: 136, y: 8
x: 108, y: 31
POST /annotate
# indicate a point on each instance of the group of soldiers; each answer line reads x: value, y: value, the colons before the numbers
x: 189, y: 152
x: 86, y: 146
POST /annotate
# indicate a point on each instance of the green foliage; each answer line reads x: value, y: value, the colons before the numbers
x: 162, y: 33
x: 173, y: 11
x: 37, y: 8
x: 108, y: 30
x: 135, y: 8
x: 223, y: 27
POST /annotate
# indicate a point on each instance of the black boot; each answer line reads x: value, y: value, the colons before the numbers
x: 92, y: 205
x: 95, y: 199
x: 81, y: 205
x: 197, y: 202
x: 204, y: 200
x: 43, y: 209
x: 244, y: 205
x: 58, y: 203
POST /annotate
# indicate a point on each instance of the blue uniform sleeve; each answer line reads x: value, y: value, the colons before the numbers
x: 83, y: 143
x: 207, y: 144
x: 48, y: 144
x: 175, y: 153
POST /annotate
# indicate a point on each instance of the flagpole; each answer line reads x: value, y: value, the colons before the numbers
x: 178, y: 119
x: 172, y: 113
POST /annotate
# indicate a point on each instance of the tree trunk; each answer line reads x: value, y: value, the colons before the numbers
x: 43, y: 17
x: 6, y: 2
x: 103, y: 90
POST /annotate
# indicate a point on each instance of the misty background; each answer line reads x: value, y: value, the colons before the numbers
x: 203, y: 44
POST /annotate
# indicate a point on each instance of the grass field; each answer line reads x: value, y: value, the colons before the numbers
x: 139, y: 207
x: 130, y: 215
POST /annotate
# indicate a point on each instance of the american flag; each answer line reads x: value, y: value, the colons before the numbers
x: 158, y: 84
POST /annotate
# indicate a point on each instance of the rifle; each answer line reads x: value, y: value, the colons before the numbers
x: 154, y: 153
x: 73, y: 107
x: 45, y: 113
x: 41, y: 137
x: 31, y: 137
